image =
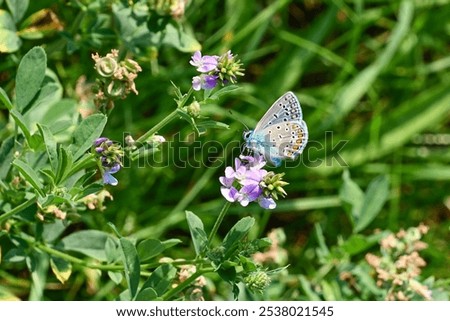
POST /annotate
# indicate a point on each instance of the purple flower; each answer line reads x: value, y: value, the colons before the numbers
x: 267, y: 203
x: 205, y: 63
x: 204, y: 82
x: 109, y: 156
x: 229, y: 177
x: 107, y: 175
x: 231, y: 194
x: 249, y: 193
x: 100, y: 140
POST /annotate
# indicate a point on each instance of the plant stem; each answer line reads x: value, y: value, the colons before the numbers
x: 75, y: 260
x: 180, y: 104
x: 17, y: 209
x: 185, y: 284
x: 104, y: 267
x: 158, y: 126
x: 219, y: 220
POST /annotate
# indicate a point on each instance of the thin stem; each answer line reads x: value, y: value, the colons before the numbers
x: 157, y: 127
x: 17, y: 209
x: 219, y: 220
x: 185, y: 284
x: 181, y: 103
x: 75, y: 260
x: 104, y: 267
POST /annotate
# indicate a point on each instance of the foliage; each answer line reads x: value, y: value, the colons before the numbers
x: 96, y: 88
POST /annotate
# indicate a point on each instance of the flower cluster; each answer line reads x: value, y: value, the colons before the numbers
x: 249, y: 182
x: 110, y: 155
x: 116, y: 78
x: 215, y: 70
x: 257, y: 281
x: 399, y: 266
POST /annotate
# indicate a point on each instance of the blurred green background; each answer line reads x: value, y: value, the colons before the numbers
x: 373, y: 74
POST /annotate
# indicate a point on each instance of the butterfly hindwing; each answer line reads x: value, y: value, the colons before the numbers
x: 281, y: 133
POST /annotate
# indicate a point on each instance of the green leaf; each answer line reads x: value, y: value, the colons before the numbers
x: 204, y: 125
x: 5, y: 99
x: 38, y: 265
x: 64, y: 164
x: 150, y: 248
x: 351, y: 194
x: 160, y: 279
x: 132, y: 266
x: 147, y: 294
x: 53, y: 230
x: 198, y: 234
x: 61, y: 268
x: 175, y: 35
x: 87, y: 132
x: 18, y: 118
x: 376, y: 195
x: 6, y: 156
x: 112, y: 251
x: 30, y: 175
x: 357, y: 243
x: 30, y: 74
x: 50, y: 146
x: 235, y: 235
x: 88, y: 242
x: 223, y: 91
x: 17, y: 8
x: 9, y: 40
x: 116, y: 277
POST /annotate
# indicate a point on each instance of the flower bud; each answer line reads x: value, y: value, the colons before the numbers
x: 257, y: 281
x: 106, y: 66
x: 116, y: 89
x: 194, y: 109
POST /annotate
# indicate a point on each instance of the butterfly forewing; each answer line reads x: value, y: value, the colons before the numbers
x: 281, y: 133
x: 286, y: 108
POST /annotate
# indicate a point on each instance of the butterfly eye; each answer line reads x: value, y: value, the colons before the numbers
x: 246, y: 134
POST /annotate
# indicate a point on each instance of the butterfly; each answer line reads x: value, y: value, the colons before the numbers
x: 281, y: 133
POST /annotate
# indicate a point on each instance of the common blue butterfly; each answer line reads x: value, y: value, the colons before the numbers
x: 281, y: 133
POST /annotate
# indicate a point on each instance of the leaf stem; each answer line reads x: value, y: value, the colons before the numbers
x: 185, y: 283
x: 17, y: 209
x: 219, y: 220
x: 158, y: 126
x: 180, y: 104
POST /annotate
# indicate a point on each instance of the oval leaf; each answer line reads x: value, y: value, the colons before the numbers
x: 376, y: 195
x: 61, y: 268
x: 198, y: 234
x: 30, y: 74
x: 84, y: 136
x: 237, y: 232
x: 132, y: 266
x: 89, y: 242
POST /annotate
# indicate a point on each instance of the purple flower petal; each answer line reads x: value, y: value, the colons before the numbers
x: 109, y: 179
x: 251, y: 192
x: 100, y: 140
x: 196, y: 58
x: 267, y: 203
x: 205, y: 63
x: 226, y: 181
x: 115, y: 168
x: 231, y: 194
x: 210, y: 82
x: 196, y: 83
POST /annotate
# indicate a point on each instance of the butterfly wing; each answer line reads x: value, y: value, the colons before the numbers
x: 287, y: 140
x: 286, y: 108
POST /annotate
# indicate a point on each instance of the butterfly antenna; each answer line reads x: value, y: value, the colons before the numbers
x: 238, y: 120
